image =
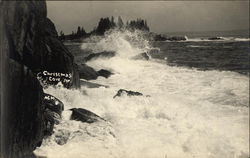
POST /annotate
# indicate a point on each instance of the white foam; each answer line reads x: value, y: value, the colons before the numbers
x: 190, y: 113
x: 224, y: 39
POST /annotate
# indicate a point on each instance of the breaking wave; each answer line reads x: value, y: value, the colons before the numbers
x: 225, y: 39
x: 190, y: 113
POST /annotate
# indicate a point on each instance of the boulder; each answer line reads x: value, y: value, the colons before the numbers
x: 104, y: 73
x: 84, y: 115
x: 104, y: 54
x: 62, y: 136
x: 128, y: 93
x: 53, y: 104
x: 86, y: 72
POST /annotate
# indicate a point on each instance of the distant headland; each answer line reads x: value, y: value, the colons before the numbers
x: 106, y: 24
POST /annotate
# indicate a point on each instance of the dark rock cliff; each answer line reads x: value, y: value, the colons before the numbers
x: 29, y: 44
x: 34, y: 38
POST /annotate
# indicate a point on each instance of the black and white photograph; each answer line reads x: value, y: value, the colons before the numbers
x: 124, y: 79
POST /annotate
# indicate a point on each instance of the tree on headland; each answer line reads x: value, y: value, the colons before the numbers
x: 61, y: 35
x: 106, y: 24
x: 103, y: 25
x: 113, y: 24
x: 138, y: 24
x: 120, y: 22
x: 80, y: 32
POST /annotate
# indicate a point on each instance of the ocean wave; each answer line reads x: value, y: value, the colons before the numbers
x: 197, y: 46
x: 190, y: 113
x: 218, y: 39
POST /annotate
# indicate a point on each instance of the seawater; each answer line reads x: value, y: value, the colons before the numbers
x: 190, y: 112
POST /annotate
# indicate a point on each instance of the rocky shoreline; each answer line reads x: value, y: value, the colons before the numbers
x: 30, y: 46
x: 33, y: 58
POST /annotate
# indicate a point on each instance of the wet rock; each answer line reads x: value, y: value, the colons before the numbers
x: 104, y: 73
x: 84, y: 115
x: 104, y: 54
x: 142, y: 56
x: 35, y: 38
x: 54, y: 108
x: 30, y: 46
x: 23, y: 112
x: 53, y: 104
x: 128, y: 93
x: 87, y: 72
x: 62, y: 136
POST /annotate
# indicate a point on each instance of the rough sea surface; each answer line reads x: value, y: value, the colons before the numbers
x: 199, y: 104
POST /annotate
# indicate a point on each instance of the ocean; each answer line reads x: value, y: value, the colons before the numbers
x: 198, y: 104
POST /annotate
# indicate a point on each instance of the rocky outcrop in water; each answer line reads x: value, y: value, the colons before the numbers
x: 159, y: 38
x: 177, y: 38
x: 84, y: 115
x: 104, y: 54
x: 128, y: 93
x: 30, y: 45
x: 88, y: 73
x: 104, y: 73
x: 54, y: 108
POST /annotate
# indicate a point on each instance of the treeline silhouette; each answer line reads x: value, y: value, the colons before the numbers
x: 106, y: 24
x: 79, y: 33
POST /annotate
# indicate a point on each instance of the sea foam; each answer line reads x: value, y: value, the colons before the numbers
x: 190, y: 113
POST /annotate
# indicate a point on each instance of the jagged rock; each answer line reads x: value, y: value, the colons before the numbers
x: 30, y: 45
x: 87, y: 73
x: 142, y: 56
x: 104, y: 73
x: 84, y: 115
x: 128, y: 93
x: 62, y: 136
x: 104, y: 54
x: 53, y: 104
x: 53, y: 111
x: 35, y: 38
x: 24, y: 121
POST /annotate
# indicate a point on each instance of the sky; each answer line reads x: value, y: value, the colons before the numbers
x: 162, y: 16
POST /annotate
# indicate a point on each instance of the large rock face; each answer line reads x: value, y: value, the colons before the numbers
x: 29, y: 44
x: 35, y: 40
x: 24, y: 124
